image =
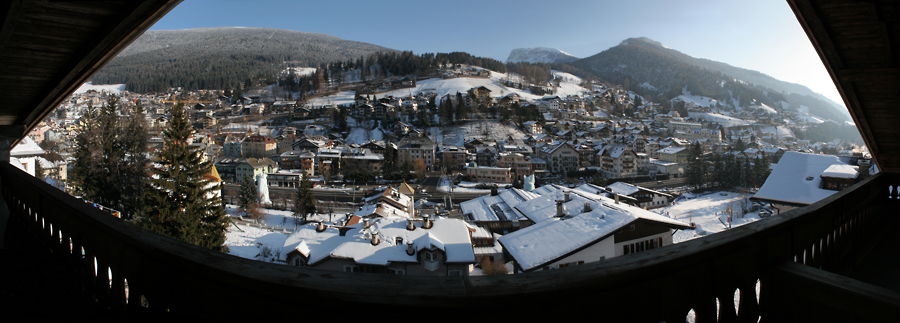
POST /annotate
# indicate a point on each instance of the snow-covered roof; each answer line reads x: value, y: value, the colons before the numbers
x: 671, y: 150
x: 448, y: 235
x: 623, y: 188
x: 841, y: 171
x: 796, y: 179
x: 392, y: 196
x: 552, y: 237
x: 496, y: 208
x: 26, y: 147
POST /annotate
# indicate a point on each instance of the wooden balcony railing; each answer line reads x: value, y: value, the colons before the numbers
x: 793, y: 259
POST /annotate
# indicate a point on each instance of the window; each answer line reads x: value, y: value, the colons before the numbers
x: 430, y: 256
x: 298, y: 261
x: 397, y: 271
x: 351, y: 268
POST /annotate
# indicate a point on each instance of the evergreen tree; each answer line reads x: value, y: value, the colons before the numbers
x: 136, y: 163
x: 696, y: 167
x: 249, y: 193
x: 761, y: 171
x: 84, y: 179
x: 462, y: 111
x: 180, y: 201
x: 304, y: 201
x: 110, y: 163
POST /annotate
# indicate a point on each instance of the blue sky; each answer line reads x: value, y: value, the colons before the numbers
x: 760, y: 35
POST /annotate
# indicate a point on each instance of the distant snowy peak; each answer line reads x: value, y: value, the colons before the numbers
x: 540, y: 55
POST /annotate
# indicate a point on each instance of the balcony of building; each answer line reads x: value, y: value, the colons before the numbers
x: 65, y: 260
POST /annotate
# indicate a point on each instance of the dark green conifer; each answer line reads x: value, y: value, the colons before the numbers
x: 181, y: 201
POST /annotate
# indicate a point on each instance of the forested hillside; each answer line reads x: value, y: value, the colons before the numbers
x: 221, y: 58
x: 650, y: 69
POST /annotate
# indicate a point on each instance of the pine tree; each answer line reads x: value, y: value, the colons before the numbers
x: 304, y: 201
x: 86, y: 173
x: 135, y: 165
x: 761, y: 170
x: 696, y: 168
x: 181, y: 202
x: 110, y: 163
x: 249, y: 193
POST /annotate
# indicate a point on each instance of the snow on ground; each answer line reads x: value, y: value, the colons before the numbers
x: 341, y: 98
x: 463, y: 187
x: 696, y: 99
x: 706, y: 212
x: 357, y: 133
x: 568, y: 86
x: 648, y: 86
x: 301, y: 71
x: 767, y: 108
x: 781, y: 132
x: 458, y: 135
x: 111, y: 88
x: 722, y: 119
x: 810, y: 118
x: 248, y: 242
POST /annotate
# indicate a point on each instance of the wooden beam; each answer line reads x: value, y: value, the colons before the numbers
x: 119, y: 35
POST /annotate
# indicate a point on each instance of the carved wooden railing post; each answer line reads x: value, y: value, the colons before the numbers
x: 4, y: 209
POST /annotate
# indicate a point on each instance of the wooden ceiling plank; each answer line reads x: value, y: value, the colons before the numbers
x: 124, y: 31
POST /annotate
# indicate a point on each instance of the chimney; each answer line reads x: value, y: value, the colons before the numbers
x: 365, y: 223
x: 494, y: 191
x: 617, y: 197
x: 320, y: 227
x: 427, y: 224
x: 409, y: 225
x: 375, y: 239
x: 587, y: 207
x: 410, y: 249
x: 567, y: 196
x: 559, y: 209
x: 864, y: 166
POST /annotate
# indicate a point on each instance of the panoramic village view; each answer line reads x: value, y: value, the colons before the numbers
x: 459, y: 171
x: 655, y: 161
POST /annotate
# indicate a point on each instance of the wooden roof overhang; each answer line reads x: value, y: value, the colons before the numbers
x: 48, y: 48
x: 858, y: 43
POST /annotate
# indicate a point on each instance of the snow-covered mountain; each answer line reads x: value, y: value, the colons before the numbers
x: 540, y: 55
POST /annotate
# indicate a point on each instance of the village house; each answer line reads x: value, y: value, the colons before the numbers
x: 674, y: 155
x: 394, y: 198
x: 389, y: 245
x: 801, y: 179
x: 488, y: 174
x: 453, y: 157
x: 253, y: 168
x: 617, y: 229
x: 644, y: 197
x: 498, y: 213
x: 617, y: 160
x: 560, y: 158
x: 519, y: 164
x: 411, y: 149
x: 258, y: 147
